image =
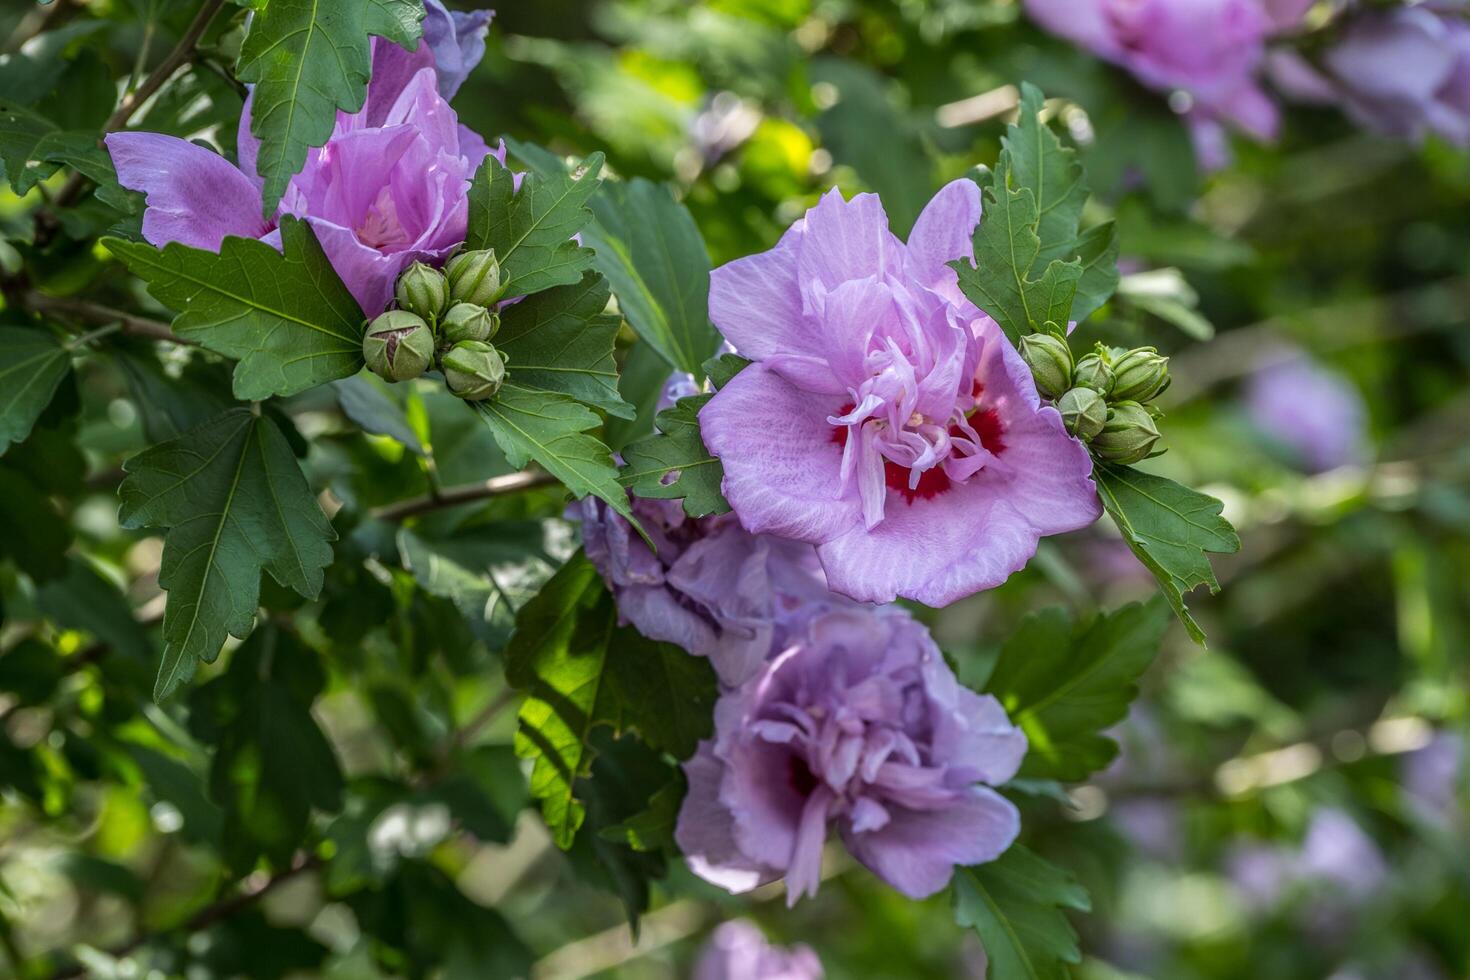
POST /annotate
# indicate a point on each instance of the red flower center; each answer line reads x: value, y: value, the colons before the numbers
x: 932, y: 482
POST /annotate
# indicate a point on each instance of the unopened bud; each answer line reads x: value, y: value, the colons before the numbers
x: 474, y: 370
x: 1050, y: 360
x: 422, y: 291
x: 466, y: 321
x: 1128, y: 436
x: 1093, y: 371
x: 1140, y: 375
x: 398, y: 346
x: 474, y: 277
x: 1083, y: 411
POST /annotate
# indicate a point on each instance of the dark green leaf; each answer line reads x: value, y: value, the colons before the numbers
x: 1064, y: 683
x: 1097, y: 250
x: 170, y: 406
x: 648, y: 247
x: 306, y: 60
x: 651, y: 829
x: 36, y: 537
x: 32, y: 365
x: 581, y: 671
x: 559, y: 340
x: 488, y: 572
x: 531, y: 229
x: 83, y: 599
x: 1170, y: 528
x: 285, y: 315
x: 272, y: 763
x: 234, y: 501
x: 1015, y: 903
x: 368, y: 401
x: 550, y: 428
x: 676, y: 464
x: 721, y: 369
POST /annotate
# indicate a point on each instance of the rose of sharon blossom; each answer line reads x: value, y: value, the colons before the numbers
x: 1314, y: 412
x: 1210, y: 49
x: 1404, y: 72
x: 739, y: 951
x: 886, y: 419
x: 389, y: 188
x: 858, y: 724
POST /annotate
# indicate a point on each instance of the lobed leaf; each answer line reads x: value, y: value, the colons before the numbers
x: 559, y: 340
x: 233, y: 501
x: 285, y: 316
x: 532, y: 229
x: 1015, y: 903
x: 550, y: 428
x: 675, y: 463
x: 1171, y: 529
x: 1065, y: 683
x: 307, y: 59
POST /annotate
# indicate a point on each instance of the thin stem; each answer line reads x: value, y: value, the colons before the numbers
x: 88, y: 312
x: 452, y: 496
x: 182, y: 53
x: 87, y: 338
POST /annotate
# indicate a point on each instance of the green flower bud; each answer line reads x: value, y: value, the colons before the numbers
x: 466, y: 321
x: 398, y: 346
x: 474, y: 277
x: 1050, y: 360
x: 1128, y: 436
x: 474, y: 370
x: 1083, y: 411
x: 422, y: 291
x: 1093, y: 371
x: 1140, y: 375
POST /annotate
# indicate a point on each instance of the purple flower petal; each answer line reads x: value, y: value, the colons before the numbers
x: 194, y: 196
x: 917, y: 850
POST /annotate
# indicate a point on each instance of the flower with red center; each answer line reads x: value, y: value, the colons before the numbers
x: 886, y: 419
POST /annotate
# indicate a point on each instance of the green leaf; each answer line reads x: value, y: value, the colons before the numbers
x: 651, y: 829
x: 234, y: 501
x: 531, y: 229
x: 649, y: 248
x: 581, y: 671
x: 550, y: 428
x: 32, y: 365
x: 285, y: 315
x: 1015, y: 903
x: 675, y: 464
x: 21, y: 131
x: 1031, y: 264
x: 36, y: 536
x: 306, y: 60
x: 1064, y: 683
x: 559, y: 340
x: 370, y: 403
x: 1097, y: 250
x: 272, y: 763
x: 488, y: 572
x: 1170, y: 528
x: 32, y: 148
x: 171, y: 405
x: 83, y: 599
x: 721, y: 369
x: 1039, y: 161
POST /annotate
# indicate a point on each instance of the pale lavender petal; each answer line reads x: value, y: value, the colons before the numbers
x: 393, y: 70
x: 846, y: 240
x: 705, y: 830
x: 917, y: 851
x: 367, y: 273
x: 756, y: 302
x: 194, y: 196
x: 781, y: 461
x: 944, y: 232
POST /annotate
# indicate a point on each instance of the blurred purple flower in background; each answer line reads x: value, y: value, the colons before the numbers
x: 738, y: 950
x: 860, y: 723
x: 1431, y: 777
x: 886, y: 419
x: 1313, y: 412
x: 389, y: 188
x: 1209, y: 50
x: 1337, y: 852
x: 1404, y: 72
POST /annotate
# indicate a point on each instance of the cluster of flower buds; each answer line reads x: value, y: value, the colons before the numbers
x: 1104, y: 395
x: 445, y: 318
